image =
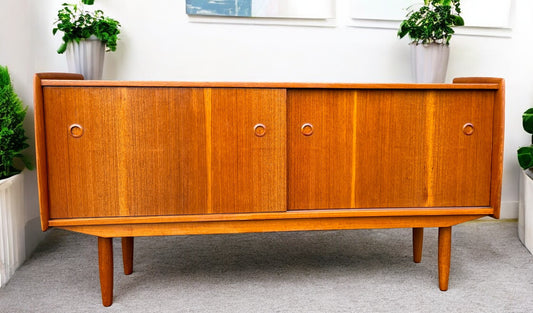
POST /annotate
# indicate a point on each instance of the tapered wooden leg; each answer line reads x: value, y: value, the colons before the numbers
x: 127, y: 254
x: 418, y: 241
x: 105, y: 263
x: 445, y: 248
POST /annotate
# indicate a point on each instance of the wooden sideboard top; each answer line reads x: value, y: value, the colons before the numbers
x: 117, y: 83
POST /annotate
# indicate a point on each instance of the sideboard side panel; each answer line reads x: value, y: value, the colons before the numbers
x: 40, y: 140
x: 498, y: 135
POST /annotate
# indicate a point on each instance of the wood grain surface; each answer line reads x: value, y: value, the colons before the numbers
x: 383, y: 148
x: 164, y: 151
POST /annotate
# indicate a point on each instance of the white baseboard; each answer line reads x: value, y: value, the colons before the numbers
x: 509, y: 210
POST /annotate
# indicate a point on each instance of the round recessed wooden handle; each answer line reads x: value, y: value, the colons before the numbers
x: 260, y: 130
x: 307, y: 129
x: 468, y: 129
x: 75, y: 130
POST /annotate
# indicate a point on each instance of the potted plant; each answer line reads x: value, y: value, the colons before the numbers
x: 87, y: 35
x: 430, y: 29
x: 12, y: 162
x: 525, y: 208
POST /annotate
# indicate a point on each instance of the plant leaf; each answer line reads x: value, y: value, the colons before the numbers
x: 525, y: 157
x: 527, y: 120
x: 459, y: 20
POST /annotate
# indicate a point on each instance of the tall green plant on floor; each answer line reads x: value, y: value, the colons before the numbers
x: 433, y: 22
x: 525, y: 154
x: 77, y: 24
x: 12, y: 137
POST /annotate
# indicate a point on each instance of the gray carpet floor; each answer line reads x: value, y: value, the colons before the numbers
x: 333, y: 271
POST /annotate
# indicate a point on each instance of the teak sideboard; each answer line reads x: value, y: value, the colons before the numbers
x: 126, y: 159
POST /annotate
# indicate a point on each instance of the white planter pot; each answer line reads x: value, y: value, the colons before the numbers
x: 525, y: 210
x: 12, y: 242
x: 86, y: 58
x: 429, y: 62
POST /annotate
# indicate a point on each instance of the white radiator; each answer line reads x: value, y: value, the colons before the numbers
x: 12, y: 245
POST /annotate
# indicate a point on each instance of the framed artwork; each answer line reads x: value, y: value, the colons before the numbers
x: 306, y: 9
x: 495, y: 13
x: 381, y: 9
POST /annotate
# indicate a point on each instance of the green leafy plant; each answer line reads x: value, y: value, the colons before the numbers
x: 525, y: 154
x: 433, y: 22
x: 12, y: 137
x: 76, y: 23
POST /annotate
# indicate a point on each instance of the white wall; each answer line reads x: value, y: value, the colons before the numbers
x: 160, y: 42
